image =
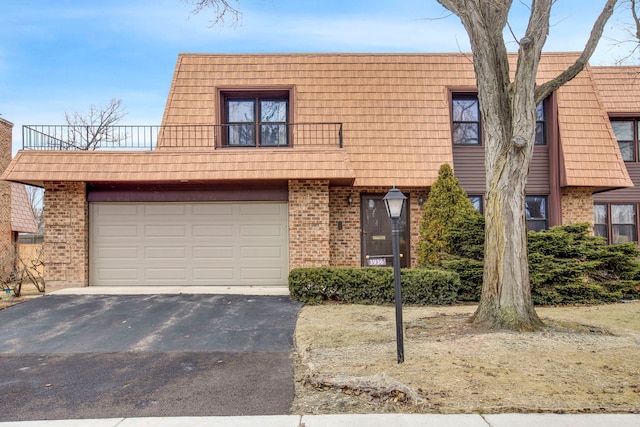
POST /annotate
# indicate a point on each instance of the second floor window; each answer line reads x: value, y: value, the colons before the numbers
x: 626, y: 132
x: 541, y: 128
x: 466, y: 120
x: 256, y: 120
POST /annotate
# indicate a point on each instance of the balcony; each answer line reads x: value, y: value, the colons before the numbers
x: 145, y: 138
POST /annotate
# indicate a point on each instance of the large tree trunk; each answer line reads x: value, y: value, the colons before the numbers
x: 509, y: 117
x: 506, y: 294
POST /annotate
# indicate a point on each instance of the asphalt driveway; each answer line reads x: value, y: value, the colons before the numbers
x: 93, y: 356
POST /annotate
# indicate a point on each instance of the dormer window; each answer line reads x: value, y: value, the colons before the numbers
x: 626, y: 132
x: 467, y: 122
x: 466, y: 119
x: 255, y: 119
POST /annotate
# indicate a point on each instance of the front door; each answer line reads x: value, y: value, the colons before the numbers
x: 377, y: 249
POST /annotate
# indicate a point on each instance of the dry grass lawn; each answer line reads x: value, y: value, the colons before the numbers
x: 28, y: 291
x: 586, y: 360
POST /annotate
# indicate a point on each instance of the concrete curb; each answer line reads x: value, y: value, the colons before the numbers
x: 158, y: 290
x: 369, y: 420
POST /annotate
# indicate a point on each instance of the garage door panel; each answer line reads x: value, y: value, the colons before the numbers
x: 118, y: 274
x: 222, y: 209
x: 261, y: 252
x: 165, y: 274
x: 189, y: 244
x: 117, y: 231
x: 118, y: 253
x: 164, y: 230
x: 268, y: 230
x: 165, y: 252
x: 212, y: 274
x: 117, y: 210
x: 202, y: 231
x: 260, y: 274
x: 273, y: 209
x: 164, y: 209
x: 213, y: 253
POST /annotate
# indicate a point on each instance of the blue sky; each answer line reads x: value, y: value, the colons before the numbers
x: 66, y: 55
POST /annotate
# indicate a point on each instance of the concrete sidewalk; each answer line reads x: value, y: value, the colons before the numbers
x: 370, y: 420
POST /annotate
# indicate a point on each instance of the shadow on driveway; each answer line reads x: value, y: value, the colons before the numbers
x: 67, y: 357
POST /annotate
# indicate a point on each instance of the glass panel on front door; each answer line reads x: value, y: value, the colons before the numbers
x: 377, y: 250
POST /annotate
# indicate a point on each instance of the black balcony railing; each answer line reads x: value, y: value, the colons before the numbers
x: 129, y: 137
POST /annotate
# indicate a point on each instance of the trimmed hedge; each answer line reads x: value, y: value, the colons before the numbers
x: 372, y: 285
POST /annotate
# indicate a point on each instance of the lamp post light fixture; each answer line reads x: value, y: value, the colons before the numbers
x: 394, y: 201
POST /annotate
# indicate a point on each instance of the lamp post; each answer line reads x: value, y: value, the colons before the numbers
x: 394, y: 201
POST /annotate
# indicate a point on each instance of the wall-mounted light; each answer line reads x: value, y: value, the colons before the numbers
x: 421, y: 200
x: 349, y: 199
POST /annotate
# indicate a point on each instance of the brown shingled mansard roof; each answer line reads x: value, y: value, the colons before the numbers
x: 394, y: 108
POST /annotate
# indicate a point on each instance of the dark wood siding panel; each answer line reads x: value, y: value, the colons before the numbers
x: 631, y: 194
x: 468, y: 165
x: 538, y: 181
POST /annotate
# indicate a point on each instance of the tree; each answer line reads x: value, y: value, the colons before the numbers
x: 88, y: 131
x: 447, y: 200
x: 221, y: 9
x: 630, y: 30
x: 508, y: 109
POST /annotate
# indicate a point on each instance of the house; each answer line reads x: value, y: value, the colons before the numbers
x: 616, y: 212
x: 269, y: 162
x: 16, y: 215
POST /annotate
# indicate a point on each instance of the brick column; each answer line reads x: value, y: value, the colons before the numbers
x: 577, y: 205
x: 66, y: 220
x: 7, y: 248
x: 308, y: 223
x: 345, y: 227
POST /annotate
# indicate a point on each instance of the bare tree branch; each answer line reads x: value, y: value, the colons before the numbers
x: 222, y: 10
x: 631, y: 30
x: 88, y: 131
x: 549, y: 87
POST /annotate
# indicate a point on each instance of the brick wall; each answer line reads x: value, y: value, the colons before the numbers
x: 345, y: 244
x: 66, y: 235
x: 308, y: 223
x: 577, y: 205
x: 6, y: 236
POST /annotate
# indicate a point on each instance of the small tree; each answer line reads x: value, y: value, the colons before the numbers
x: 447, y: 200
x: 88, y: 131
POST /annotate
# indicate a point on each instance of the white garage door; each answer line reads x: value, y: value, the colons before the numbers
x: 189, y: 244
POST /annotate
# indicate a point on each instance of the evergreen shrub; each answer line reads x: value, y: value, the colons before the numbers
x: 446, y: 201
x: 566, y: 264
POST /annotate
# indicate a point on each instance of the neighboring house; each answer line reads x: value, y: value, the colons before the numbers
x: 16, y: 215
x: 616, y: 212
x: 269, y: 162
